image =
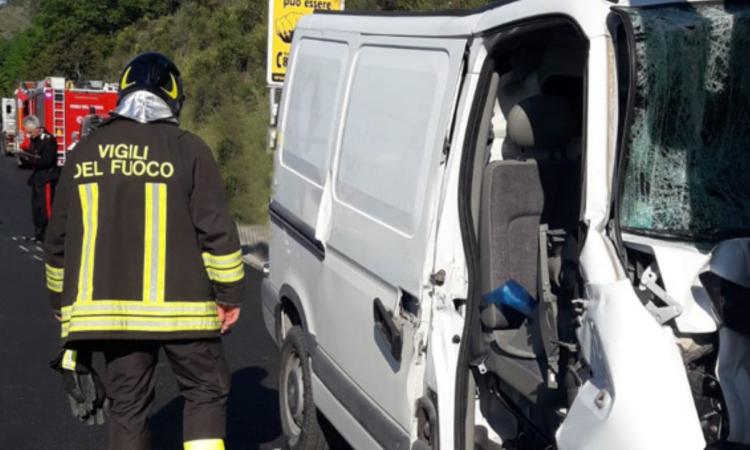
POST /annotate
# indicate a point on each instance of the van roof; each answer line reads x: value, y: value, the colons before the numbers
x: 465, y: 22
x: 441, y: 13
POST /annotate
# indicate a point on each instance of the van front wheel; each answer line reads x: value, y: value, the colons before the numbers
x: 298, y: 413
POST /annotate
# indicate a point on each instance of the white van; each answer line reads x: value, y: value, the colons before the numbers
x: 525, y: 226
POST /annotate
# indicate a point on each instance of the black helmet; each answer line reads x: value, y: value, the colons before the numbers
x: 155, y: 73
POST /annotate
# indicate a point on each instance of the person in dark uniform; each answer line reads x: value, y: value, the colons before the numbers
x: 91, y: 122
x: 43, y: 157
x: 142, y: 254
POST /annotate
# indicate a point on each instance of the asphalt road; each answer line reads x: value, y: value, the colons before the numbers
x: 33, y: 408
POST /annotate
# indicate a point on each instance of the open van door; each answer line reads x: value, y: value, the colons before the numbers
x: 377, y: 222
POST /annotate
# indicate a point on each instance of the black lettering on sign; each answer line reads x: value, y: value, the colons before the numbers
x: 282, y: 59
x: 318, y: 4
x: 292, y: 3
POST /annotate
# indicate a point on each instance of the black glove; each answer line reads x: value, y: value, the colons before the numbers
x: 88, y: 400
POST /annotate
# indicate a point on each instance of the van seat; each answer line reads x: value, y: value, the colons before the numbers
x: 519, y: 194
x: 511, y: 208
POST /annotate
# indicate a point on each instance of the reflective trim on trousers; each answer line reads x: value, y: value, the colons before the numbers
x: 205, y: 444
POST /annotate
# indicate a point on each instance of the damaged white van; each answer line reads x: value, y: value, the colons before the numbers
x: 520, y: 227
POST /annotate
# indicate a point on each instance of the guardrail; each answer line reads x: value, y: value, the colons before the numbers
x: 254, y: 240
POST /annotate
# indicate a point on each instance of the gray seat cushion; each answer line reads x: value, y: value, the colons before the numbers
x: 516, y: 197
x: 512, y: 205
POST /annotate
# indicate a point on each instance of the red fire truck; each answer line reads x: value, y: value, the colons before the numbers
x: 62, y: 105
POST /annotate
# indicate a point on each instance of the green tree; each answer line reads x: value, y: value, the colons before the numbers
x: 219, y: 45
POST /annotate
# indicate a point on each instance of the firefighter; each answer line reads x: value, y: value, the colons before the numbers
x: 43, y: 156
x: 90, y: 123
x: 142, y: 255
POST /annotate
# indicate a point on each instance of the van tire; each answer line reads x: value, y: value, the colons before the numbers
x: 298, y: 421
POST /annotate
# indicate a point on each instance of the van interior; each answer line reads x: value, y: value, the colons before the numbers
x: 525, y: 202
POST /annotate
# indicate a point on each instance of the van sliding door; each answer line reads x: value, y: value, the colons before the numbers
x: 308, y: 124
x: 309, y: 115
x: 385, y: 180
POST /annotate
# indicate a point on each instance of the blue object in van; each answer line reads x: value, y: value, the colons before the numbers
x: 512, y: 295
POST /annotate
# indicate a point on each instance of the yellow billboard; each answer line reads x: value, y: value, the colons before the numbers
x: 282, y: 20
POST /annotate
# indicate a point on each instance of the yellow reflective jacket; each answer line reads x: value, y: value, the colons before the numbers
x: 141, y: 244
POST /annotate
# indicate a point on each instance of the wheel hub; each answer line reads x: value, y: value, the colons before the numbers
x: 294, y: 394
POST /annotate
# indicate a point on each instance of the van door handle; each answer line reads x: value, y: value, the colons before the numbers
x: 388, y: 329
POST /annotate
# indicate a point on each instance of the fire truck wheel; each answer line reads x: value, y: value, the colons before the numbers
x: 299, y: 416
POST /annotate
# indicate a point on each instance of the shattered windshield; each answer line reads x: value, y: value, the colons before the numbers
x: 688, y: 167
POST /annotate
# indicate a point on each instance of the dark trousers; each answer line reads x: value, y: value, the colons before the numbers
x: 202, y: 375
x: 42, y: 195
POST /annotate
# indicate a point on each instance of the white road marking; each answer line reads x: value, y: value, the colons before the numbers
x: 37, y: 258
x: 23, y: 248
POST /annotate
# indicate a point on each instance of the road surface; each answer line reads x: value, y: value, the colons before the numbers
x: 33, y: 408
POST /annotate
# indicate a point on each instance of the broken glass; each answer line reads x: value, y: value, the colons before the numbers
x: 688, y: 167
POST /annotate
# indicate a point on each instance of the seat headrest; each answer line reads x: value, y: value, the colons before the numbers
x: 541, y: 121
